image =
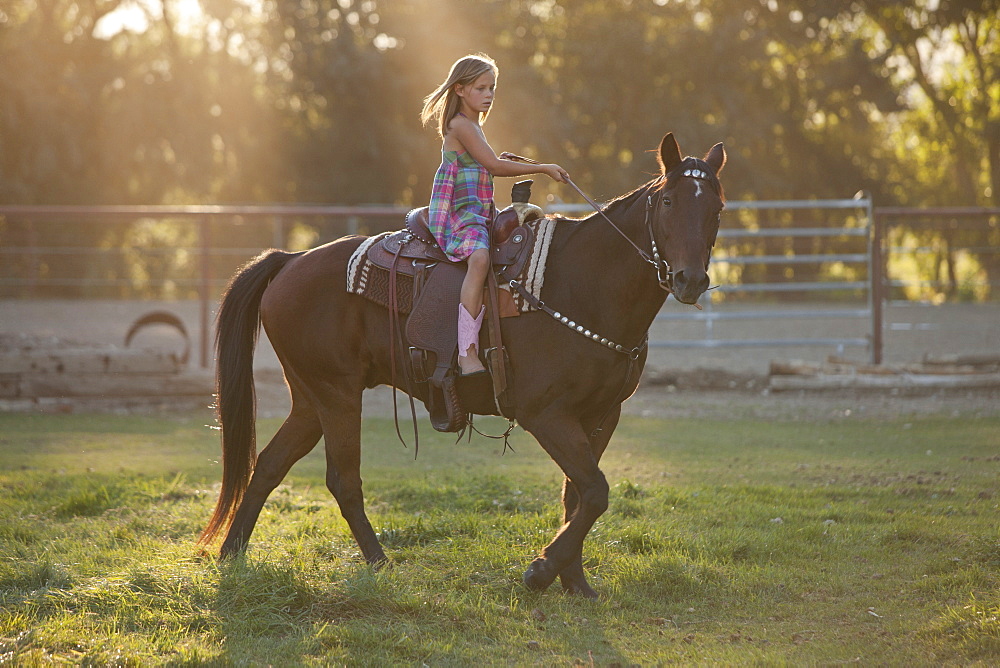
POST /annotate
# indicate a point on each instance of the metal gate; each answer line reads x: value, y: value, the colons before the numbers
x: 763, y: 226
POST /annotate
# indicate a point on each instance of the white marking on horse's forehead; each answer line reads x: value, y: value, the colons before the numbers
x: 697, y: 175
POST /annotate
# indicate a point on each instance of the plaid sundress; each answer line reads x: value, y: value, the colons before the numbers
x: 461, y: 203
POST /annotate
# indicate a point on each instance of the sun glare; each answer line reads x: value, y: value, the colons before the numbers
x: 134, y: 17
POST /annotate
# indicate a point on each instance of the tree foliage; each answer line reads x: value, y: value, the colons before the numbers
x: 317, y: 100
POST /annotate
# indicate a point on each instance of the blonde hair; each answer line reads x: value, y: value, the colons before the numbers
x: 444, y: 103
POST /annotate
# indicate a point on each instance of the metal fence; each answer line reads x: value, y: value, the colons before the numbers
x: 787, y: 235
x: 774, y: 261
x: 958, y: 248
x: 45, y: 237
x: 856, y: 228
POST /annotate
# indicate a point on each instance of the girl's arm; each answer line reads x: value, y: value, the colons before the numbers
x: 474, y: 141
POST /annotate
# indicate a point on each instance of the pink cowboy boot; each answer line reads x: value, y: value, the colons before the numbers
x: 468, y: 335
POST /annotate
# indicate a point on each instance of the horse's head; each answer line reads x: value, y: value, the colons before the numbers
x: 684, y: 216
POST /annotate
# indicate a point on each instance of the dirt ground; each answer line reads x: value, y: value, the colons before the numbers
x: 710, y: 382
x: 654, y: 399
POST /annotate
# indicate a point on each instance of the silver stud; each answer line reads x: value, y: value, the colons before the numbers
x: 517, y: 238
x: 604, y: 342
x: 564, y: 320
x: 579, y: 328
x: 586, y: 333
x: 596, y: 337
x: 619, y: 349
x: 557, y: 315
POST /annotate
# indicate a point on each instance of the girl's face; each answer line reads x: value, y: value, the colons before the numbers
x: 478, y: 96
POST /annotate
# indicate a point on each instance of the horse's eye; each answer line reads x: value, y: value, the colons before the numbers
x: 666, y: 201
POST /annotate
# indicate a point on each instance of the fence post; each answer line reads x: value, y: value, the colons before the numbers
x: 877, y: 278
x: 205, y: 234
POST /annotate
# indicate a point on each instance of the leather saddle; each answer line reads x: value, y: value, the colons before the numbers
x: 430, y: 337
x: 413, y: 249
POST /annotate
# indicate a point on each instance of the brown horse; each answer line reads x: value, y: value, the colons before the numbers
x: 610, y: 272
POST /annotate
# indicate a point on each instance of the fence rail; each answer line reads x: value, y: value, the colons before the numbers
x: 791, y: 224
x: 205, y: 217
x: 868, y: 316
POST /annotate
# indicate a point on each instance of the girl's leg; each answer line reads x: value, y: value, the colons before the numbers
x: 472, y: 303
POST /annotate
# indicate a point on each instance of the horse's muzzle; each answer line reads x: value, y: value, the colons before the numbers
x: 689, y: 285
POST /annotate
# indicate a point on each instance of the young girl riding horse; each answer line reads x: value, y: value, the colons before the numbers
x: 462, y: 197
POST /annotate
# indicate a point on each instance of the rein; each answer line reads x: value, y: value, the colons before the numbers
x: 663, y: 272
x: 655, y: 260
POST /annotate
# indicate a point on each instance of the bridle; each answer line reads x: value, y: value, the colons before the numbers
x: 664, y: 273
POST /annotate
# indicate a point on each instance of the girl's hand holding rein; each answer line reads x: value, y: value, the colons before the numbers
x: 553, y: 171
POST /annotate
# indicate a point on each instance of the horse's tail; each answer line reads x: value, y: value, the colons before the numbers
x: 237, y: 329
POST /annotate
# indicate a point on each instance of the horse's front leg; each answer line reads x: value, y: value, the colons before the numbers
x: 566, y: 442
x: 573, y: 578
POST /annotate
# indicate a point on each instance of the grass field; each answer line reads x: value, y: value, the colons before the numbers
x: 731, y: 541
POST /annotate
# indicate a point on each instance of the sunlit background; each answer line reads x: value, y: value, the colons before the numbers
x: 316, y: 101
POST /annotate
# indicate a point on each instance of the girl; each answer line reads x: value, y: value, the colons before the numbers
x: 462, y: 196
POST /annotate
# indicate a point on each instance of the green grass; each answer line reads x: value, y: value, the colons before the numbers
x: 734, y: 541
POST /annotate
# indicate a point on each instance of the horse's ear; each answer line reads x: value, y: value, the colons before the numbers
x: 670, y: 153
x: 716, y: 158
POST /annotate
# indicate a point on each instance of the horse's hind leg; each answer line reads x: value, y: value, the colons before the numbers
x: 341, y: 418
x: 296, y: 437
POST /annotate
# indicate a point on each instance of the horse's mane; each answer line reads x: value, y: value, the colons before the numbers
x: 626, y: 200
x: 658, y: 183
x: 629, y: 198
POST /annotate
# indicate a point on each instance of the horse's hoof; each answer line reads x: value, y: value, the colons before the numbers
x: 382, y: 564
x: 583, y: 590
x: 230, y: 553
x: 539, y: 575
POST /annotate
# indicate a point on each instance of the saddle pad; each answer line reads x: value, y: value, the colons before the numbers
x: 372, y: 282
x: 532, y: 277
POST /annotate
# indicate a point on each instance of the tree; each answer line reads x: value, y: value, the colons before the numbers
x: 943, y: 61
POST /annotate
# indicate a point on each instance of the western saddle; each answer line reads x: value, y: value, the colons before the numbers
x: 430, y: 333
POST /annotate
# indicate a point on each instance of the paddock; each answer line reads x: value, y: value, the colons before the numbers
x: 740, y: 530
x: 944, y: 330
